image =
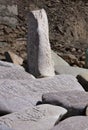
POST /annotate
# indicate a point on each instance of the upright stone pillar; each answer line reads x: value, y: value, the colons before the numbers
x: 38, y: 45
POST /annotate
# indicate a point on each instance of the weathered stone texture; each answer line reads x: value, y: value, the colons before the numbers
x: 34, y: 118
x: 38, y: 46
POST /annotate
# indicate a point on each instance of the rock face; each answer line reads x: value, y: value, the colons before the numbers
x: 77, y: 123
x: 19, y: 94
x: 74, y: 101
x: 38, y: 46
x: 35, y: 118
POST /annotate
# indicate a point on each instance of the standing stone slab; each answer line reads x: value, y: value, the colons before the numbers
x: 41, y: 117
x: 38, y: 46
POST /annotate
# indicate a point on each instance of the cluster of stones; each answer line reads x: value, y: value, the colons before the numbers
x: 52, y: 102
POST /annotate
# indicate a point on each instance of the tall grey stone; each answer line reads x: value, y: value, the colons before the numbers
x: 38, y: 46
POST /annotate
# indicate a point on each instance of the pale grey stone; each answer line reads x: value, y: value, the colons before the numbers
x: 70, y: 70
x: 58, y: 61
x: 38, y: 46
x: 74, y: 101
x: 59, y: 83
x: 11, y: 65
x: 18, y: 94
x: 15, y: 96
x: 73, y: 123
x: 14, y: 73
x: 34, y: 118
x: 4, y: 127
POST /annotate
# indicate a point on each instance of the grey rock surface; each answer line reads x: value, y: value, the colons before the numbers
x: 14, y: 73
x: 59, y: 83
x: 11, y: 65
x: 58, y: 61
x: 70, y: 70
x: 4, y: 127
x: 74, y: 101
x: 38, y: 46
x: 18, y: 94
x: 35, y: 118
x: 73, y: 123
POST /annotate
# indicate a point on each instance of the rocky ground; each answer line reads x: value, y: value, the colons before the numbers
x: 58, y: 102
x: 68, y: 30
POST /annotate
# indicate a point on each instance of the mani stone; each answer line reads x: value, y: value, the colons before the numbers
x: 42, y: 117
x: 40, y: 62
x: 74, y: 101
x: 4, y: 127
x: 73, y: 123
x: 17, y: 94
